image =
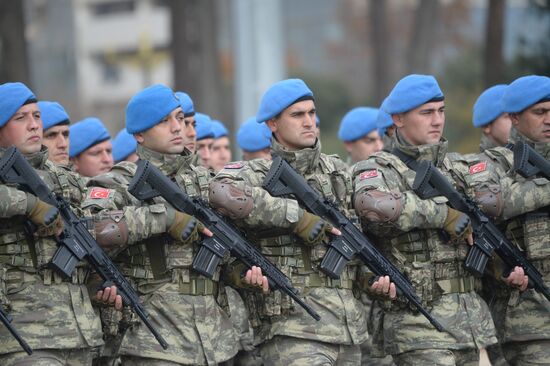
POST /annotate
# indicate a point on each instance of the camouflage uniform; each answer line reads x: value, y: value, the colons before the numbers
x: 292, y: 336
x: 54, y: 315
x: 183, y: 306
x: 522, y: 322
x: 414, y: 242
x: 486, y: 143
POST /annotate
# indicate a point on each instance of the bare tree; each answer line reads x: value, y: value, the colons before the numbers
x: 380, y: 44
x: 13, y: 48
x: 424, y: 30
x: 493, y: 58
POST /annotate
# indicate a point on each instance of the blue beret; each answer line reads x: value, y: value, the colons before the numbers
x: 383, y: 120
x: 219, y: 129
x: 186, y: 104
x: 412, y: 91
x: 204, y: 126
x: 148, y: 107
x: 12, y: 97
x: 253, y: 136
x: 357, y: 123
x: 280, y: 96
x: 524, y: 92
x: 124, y: 144
x: 85, y: 134
x: 52, y: 114
x: 488, y: 106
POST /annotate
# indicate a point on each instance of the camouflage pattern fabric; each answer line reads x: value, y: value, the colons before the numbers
x: 50, y: 313
x: 372, y: 351
x: 296, y: 352
x: 414, y: 243
x: 528, y: 352
x: 270, y: 225
x: 438, y: 357
x: 198, y: 330
x: 50, y: 357
x: 486, y: 143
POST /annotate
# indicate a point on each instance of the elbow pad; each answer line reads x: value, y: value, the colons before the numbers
x: 230, y: 198
x: 111, y: 230
x: 490, y: 200
x: 378, y: 206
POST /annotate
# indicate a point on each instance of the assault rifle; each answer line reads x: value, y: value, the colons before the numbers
x: 6, y: 319
x: 528, y: 162
x: 150, y: 182
x: 282, y: 179
x: 75, y: 243
x: 487, y: 237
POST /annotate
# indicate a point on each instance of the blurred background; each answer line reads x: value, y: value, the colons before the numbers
x: 93, y: 55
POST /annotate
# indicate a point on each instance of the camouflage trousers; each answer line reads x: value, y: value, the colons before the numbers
x: 141, y: 361
x: 289, y: 351
x: 368, y: 359
x: 438, y: 357
x: 50, y: 357
x: 527, y: 353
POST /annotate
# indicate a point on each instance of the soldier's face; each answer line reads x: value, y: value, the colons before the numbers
x: 534, y: 122
x: 422, y: 125
x: 295, y: 128
x: 23, y: 130
x: 204, y: 148
x: 364, y: 147
x: 96, y: 160
x: 56, y: 139
x: 261, y: 154
x: 499, y: 129
x: 190, y: 135
x: 220, y: 153
x: 167, y: 136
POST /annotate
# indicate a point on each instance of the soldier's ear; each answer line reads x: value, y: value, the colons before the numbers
x: 515, y: 118
x: 272, y: 124
x: 397, y: 120
x: 139, y: 137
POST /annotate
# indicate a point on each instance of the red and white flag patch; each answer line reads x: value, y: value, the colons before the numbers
x: 98, y: 193
x: 478, y: 168
x: 233, y: 166
x: 368, y: 174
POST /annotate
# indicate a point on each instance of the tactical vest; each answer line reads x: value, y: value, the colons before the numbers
x: 434, y: 266
x: 298, y: 261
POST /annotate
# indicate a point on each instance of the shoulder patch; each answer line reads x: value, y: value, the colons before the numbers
x: 368, y: 174
x: 233, y: 166
x: 99, y: 193
x: 478, y: 168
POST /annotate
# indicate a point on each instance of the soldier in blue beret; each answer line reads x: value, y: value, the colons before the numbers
x: 56, y: 131
x: 385, y: 126
x: 220, y: 154
x: 205, y: 138
x: 124, y: 147
x: 91, y: 150
x: 188, y: 109
x: 489, y: 116
x: 359, y: 132
x: 254, y: 139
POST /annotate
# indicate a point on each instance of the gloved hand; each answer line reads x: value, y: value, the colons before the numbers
x: 185, y: 228
x: 312, y: 229
x: 457, y: 225
x: 44, y: 215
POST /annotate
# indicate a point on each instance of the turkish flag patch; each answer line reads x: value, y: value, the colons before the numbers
x: 98, y: 193
x: 368, y: 174
x: 478, y: 168
x: 233, y: 166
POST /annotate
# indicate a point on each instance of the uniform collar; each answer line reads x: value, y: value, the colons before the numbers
x: 304, y: 160
x: 431, y: 152
x: 169, y: 164
x: 37, y: 160
x: 486, y: 143
x: 542, y: 148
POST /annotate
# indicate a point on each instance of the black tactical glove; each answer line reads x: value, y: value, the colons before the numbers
x: 457, y: 225
x: 312, y: 229
x: 44, y: 215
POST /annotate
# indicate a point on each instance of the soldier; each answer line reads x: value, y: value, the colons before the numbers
x: 408, y: 230
x: 522, y: 316
x: 204, y: 138
x: 488, y: 115
x: 189, y: 309
x: 220, y: 153
x: 358, y: 131
x: 295, y: 239
x: 55, y: 122
x: 190, y: 139
x: 53, y: 314
x: 124, y: 147
x: 254, y: 139
x: 386, y: 129
x: 91, y: 151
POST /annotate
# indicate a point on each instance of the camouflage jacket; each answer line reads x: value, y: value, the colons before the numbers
x: 414, y: 242
x: 182, y: 304
x: 49, y: 312
x: 270, y: 225
x: 486, y: 143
